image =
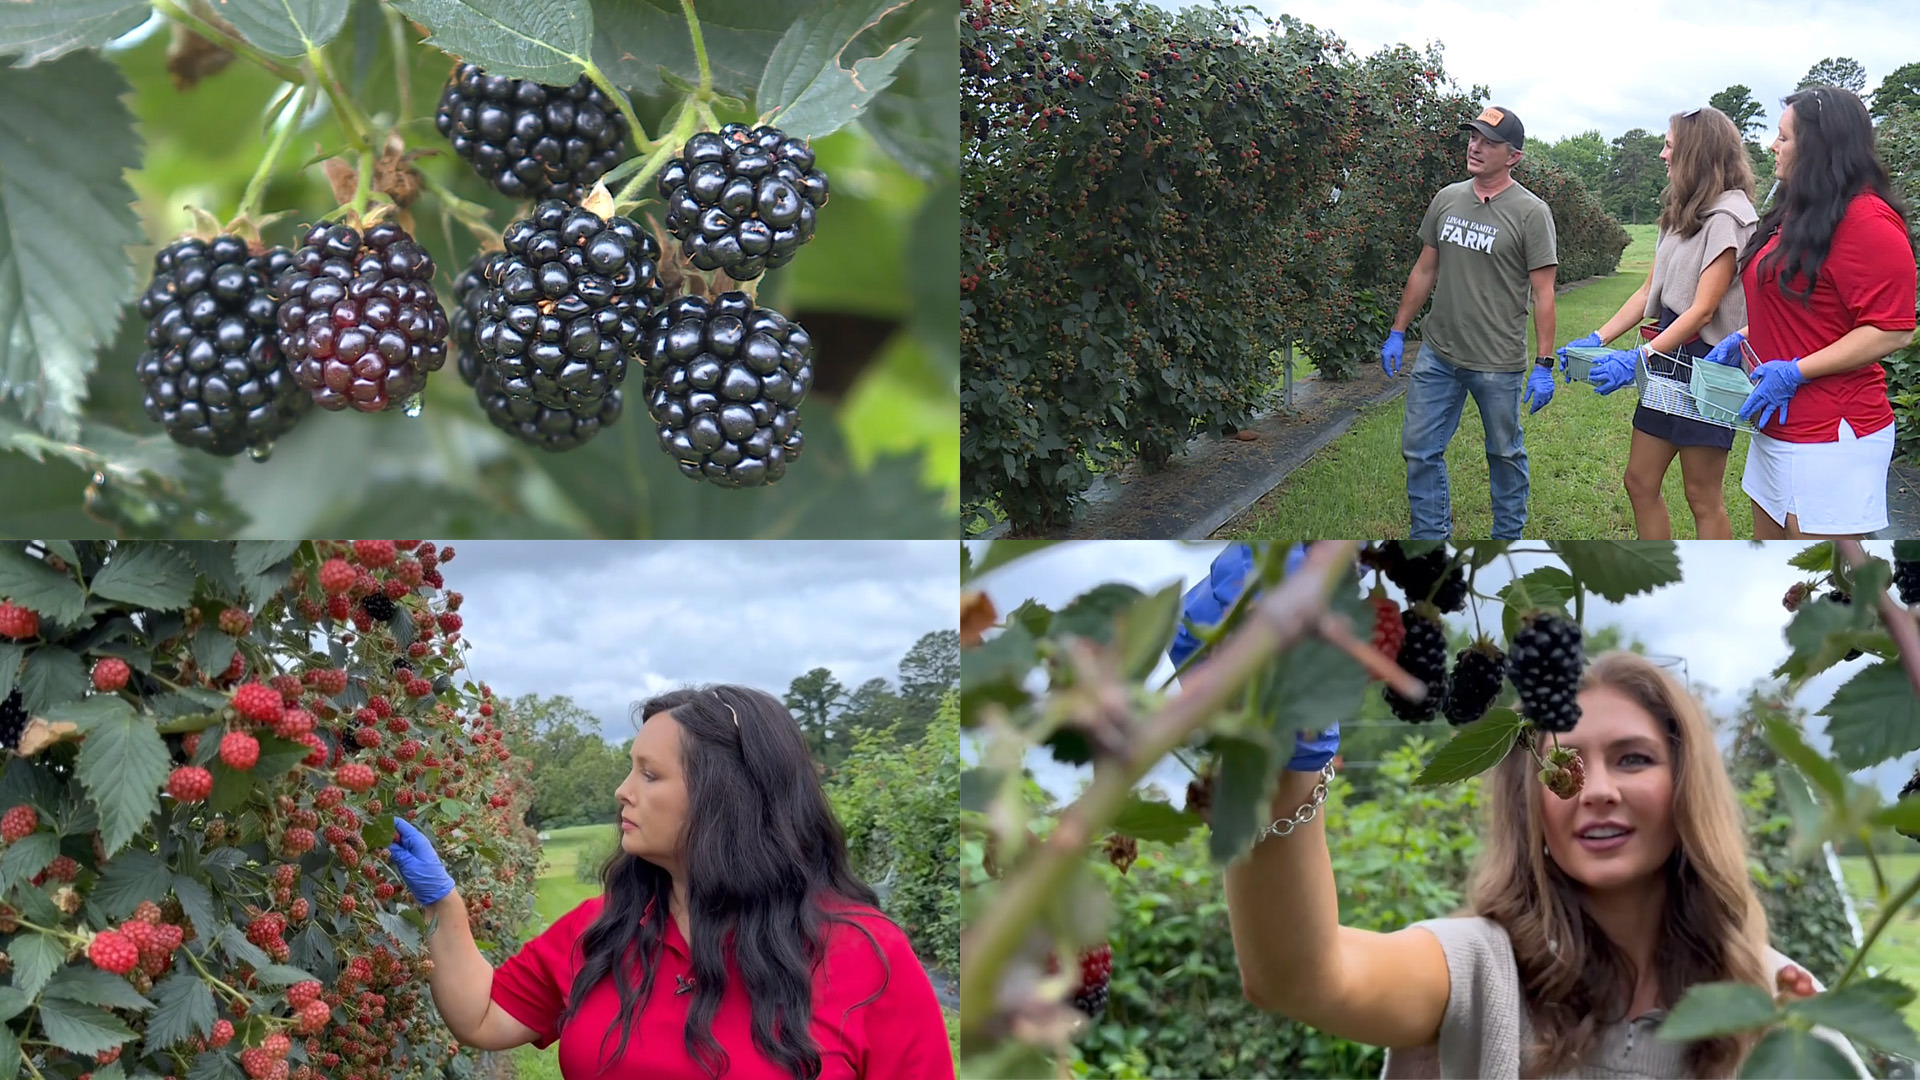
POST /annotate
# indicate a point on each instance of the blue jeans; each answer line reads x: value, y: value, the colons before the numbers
x: 1435, y: 396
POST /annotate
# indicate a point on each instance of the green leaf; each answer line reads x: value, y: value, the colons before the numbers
x: 53, y: 676
x: 1002, y: 552
x: 1473, y: 749
x: 1145, y: 819
x: 1815, y: 558
x: 1240, y: 790
x: 979, y: 786
x: 149, y: 575
x: 35, y: 958
x: 212, y: 649
x: 1903, y: 815
x: 1862, y: 1014
x: 9, y: 1051
x: 1820, y: 633
x: 41, y: 31
x: 252, y: 557
x: 26, y: 857
x: 313, y: 950
x: 403, y: 931
x: 130, y: 877
x: 197, y: 902
x: 214, y: 1065
x: 1035, y: 616
x: 1091, y: 615
x: 1616, y: 569
x: 1790, y: 1054
x: 917, y: 119
x: 123, y: 763
x: 1709, y: 1010
x: 233, y: 941
x: 12, y: 1004
x: 1146, y: 629
x: 634, y: 40
x: 544, y: 40
x: 285, y: 27
x: 26, y: 580
x: 1310, y: 687
x: 11, y: 653
x: 1874, y: 717
x: 996, y: 668
x: 82, y: 1029
x: 1547, y: 588
x: 1788, y: 743
x: 1906, y: 551
x: 66, y: 220
x: 284, y: 975
x: 806, y: 84
x: 89, y: 985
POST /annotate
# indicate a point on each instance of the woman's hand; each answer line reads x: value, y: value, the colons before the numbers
x: 1774, y: 385
x: 418, y: 864
x: 1728, y: 351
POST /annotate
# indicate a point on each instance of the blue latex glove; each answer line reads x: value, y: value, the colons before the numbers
x: 1539, y: 389
x: 418, y: 864
x: 1590, y: 341
x: 1775, y: 383
x: 1728, y: 351
x: 1207, y: 603
x: 1390, y: 353
x: 1614, y: 370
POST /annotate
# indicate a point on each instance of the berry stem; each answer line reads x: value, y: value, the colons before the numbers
x: 402, y: 49
x: 668, y: 146
x: 639, y: 133
x: 227, y: 41
x: 363, y: 187
x: 472, y: 215
x: 207, y: 975
x: 289, y: 121
x: 1885, y: 916
x: 699, y: 50
x: 356, y: 125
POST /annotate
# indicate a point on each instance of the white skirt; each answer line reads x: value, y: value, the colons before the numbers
x: 1834, y: 488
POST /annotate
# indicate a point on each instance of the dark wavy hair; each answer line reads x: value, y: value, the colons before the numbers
x: 1834, y: 159
x: 766, y: 865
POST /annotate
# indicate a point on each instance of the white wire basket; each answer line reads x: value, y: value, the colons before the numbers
x: 1697, y: 390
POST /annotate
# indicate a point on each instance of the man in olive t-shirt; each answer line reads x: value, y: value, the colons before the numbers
x: 1488, y: 244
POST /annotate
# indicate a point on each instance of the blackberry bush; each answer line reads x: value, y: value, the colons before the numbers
x: 359, y: 320
x: 528, y: 140
x: 213, y: 372
x: 742, y: 200
x: 724, y: 381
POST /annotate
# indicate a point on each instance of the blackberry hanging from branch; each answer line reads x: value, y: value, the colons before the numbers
x: 1423, y: 655
x: 1545, y: 667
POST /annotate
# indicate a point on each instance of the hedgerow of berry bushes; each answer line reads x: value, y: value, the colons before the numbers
x: 1155, y: 203
x: 212, y: 742
x: 1300, y: 649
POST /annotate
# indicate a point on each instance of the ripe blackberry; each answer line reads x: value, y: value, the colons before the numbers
x: 724, y: 380
x: 469, y: 298
x: 563, y: 309
x: 360, y: 322
x: 530, y: 140
x: 549, y: 429
x: 13, y: 721
x: 1478, y: 672
x: 1423, y: 655
x: 1427, y: 577
x: 1546, y: 666
x: 1096, y: 972
x: 213, y: 370
x: 1912, y: 788
x: 742, y: 199
x: 378, y: 607
x: 1906, y: 578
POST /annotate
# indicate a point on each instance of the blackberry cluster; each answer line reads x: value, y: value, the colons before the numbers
x: 1546, y: 666
x: 724, y: 380
x: 1477, y: 674
x: 360, y: 323
x: 1845, y: 600
x: 742, y: 199
x: 213, y: 371
x: 1423, y: 655
x: 562, y: 309
x: 1906, y: 578
x: 1431, y: 577
x: 13, y: 721
x: 379, y: 607
x: 1096, y: 975
x: 1912, y: 788
x: 530, y: 140
x: 523, y: 418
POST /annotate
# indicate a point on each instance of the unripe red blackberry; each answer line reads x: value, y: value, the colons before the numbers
x: 530, y: 140
x: 359, y: 320
x: 214, y: 373
x: 564, y: 305
x: 724, y: 380
x: 742, y: 199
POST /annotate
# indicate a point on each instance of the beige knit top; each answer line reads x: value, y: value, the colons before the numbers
x: 1484, y: 1027
x: 1679, y: 261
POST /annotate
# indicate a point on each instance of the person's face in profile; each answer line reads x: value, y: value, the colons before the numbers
x: 1783, y: 145
x: 653, y: 797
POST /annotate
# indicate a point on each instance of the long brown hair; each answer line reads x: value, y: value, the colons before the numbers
x: 1714, y: 929
x: 1708, y: 161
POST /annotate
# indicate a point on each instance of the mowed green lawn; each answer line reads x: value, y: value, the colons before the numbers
x: 1898, y: 951
x: 1576, y: 449
x: 560, y: 893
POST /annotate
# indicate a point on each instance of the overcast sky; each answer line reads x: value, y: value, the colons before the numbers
x: 1725, y: 622
x: 1566, y: 68
x: 610, y: 623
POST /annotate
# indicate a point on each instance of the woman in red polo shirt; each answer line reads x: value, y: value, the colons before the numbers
x: 1829, y: 279
x: 746, y: 947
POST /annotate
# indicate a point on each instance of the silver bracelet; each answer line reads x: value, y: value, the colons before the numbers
x: 1305, y: 813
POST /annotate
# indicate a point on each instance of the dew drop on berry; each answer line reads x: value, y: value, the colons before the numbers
x: 416, y: 402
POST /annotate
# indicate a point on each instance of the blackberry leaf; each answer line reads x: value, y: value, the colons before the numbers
x: 803, y: 79
x: 286, y: 27
x: 547, y: 41
x: 43, y: 32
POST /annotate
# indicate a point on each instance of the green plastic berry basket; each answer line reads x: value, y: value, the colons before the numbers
x: 1699, y: 390
x: 1719, y: 392
x: 1580, y: 360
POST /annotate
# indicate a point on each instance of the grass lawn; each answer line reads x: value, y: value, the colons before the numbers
x: 1898, y: 950
x: 1576, y: 450
x: 560, y: 893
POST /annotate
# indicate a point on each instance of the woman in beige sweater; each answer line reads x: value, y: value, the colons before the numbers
x: 1706, y: 216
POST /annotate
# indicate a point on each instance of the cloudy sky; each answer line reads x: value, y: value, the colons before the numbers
x: 1722, y: 625
x: 610, y: 623
x: 1567, y: 68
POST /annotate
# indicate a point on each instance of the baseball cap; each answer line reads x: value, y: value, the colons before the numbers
x: 1498, y: 124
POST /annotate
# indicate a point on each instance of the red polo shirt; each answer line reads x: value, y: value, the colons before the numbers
x: 1866, y: 280
x: 899, y: 1033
